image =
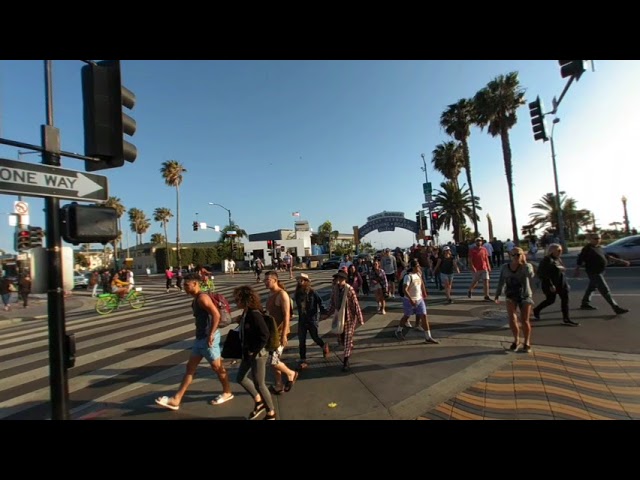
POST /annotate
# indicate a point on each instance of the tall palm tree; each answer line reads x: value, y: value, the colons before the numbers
x: 496, y: 106
x: 448, y: 159
x: 240, y: 233
x: 456, y: 120
x: 454, y: 205
x: 116, y: 203
x: 172, y: 171
x: 163, y: 215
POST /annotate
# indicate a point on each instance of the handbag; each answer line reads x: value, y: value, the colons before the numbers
x: 232, y: 347
x: 337, y: 324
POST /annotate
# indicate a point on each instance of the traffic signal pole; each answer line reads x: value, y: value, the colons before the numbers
x: 55, y: 293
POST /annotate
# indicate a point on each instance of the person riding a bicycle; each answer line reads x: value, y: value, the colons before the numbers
x: 118, y: 285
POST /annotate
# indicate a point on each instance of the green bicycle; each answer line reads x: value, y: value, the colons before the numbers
x: 108, y: 302
x: 207, y: 286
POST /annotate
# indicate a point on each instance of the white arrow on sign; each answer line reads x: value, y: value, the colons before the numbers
x: 81, y: 184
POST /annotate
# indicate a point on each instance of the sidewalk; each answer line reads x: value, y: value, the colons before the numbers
x: 469, y: 375
x: 37, y: 309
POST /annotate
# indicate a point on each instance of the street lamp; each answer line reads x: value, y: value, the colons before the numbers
x: 225, y: 208
x: 555, y: 179
x: 626, y: 217
x: 427, y: 197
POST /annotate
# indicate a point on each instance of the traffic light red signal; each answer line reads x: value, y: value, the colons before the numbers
x: 269, y: 244
x: 435, y: 215
x: 23, y: 240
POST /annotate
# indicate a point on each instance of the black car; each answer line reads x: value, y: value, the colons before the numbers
x: 331, y: 263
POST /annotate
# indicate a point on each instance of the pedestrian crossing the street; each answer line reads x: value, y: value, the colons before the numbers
x: 129, y: 347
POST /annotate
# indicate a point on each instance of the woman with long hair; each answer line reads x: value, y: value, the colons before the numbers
x: 254, y: 334
x: 310, y: 307
x: 515, y: 279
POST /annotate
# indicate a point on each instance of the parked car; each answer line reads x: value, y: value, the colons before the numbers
x: 81, y: 280
x: 331, y: 263
x: 627, y: 248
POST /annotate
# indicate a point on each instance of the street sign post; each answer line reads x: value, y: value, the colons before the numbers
x: 37, y: 180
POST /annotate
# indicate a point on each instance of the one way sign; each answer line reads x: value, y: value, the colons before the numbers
x: 37, y: 180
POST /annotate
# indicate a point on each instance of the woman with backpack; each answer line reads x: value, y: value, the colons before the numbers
x: 254, y: 336
x: 515, y: 279
x: 310, y: 307
x: 551, y: 273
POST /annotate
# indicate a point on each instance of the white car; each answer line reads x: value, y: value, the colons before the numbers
x: 627, y: 248
x: 80, y: 280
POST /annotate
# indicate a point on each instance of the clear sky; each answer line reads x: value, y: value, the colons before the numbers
x: 334, y: 140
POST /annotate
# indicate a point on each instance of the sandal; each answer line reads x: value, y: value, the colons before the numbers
x: 164, y: 402
x: 303, y: 365
x: 289, y: 385
x: 219, y: 399
x: 257, y: 410
x: 273, y: 390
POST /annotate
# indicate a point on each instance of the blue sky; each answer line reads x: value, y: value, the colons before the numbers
x: 334, y: 140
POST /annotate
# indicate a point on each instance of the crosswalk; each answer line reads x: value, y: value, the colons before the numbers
x: 129, y: 347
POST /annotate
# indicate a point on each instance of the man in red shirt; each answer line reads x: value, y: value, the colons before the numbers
x: 479, y: 260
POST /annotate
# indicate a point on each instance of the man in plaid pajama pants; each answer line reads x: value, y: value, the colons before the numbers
x: 353, y: 314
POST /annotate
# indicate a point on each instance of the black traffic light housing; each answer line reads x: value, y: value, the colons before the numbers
x: 537, y: 120
x: 23, y: 240
x: 572, y: 68
x: 419, y: 220
x: 105, y: 124
x: 36, y: 236
x: 434, y: 222
x: 195, y: 226
x: 89, y: 223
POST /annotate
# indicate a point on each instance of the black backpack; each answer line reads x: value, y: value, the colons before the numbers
x: 401, y: 289
x: 514, y: 289
x: 274, y: 334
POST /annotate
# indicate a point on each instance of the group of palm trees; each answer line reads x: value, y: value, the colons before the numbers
x: 172, y: 173
x: 493, y: 107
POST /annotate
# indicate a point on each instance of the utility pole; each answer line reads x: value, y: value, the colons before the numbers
x: 555, y: 179
x: 55, y: 292
x: 427, y: 196
x: 626, y: 216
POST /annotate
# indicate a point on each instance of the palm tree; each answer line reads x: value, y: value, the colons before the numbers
x: 327, y: 234
x: 448, y: 159
x: 139, y: 223
x: 158, y: 238
x: 453, y: 205
x: 240, y: 233
x: 547, y: 215
x: 456, y: 120
x: 163, y: 215
x: 172, y: 172
x: 496, y: 106
x: 116, y: 203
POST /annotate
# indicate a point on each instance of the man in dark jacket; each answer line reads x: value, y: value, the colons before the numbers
x: 551, y: 272
x: 595, y: 262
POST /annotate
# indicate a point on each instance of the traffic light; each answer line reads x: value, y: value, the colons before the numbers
x: 419, y: 220
x: 537, y: 120
x: 23, y: 240
x: 88, y: 223
x: 35, y: 236
x: 105, y: 124
x: 195, y: 226
x: 434, y: 221
x: 269, y: 244
x: 572, y: 68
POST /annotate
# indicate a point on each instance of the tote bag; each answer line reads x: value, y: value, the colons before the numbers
x: 232, y: 346
x: 337, y: 325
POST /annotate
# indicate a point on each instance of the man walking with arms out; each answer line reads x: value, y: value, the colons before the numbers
x: 595, y: 262
x: 207, y: 345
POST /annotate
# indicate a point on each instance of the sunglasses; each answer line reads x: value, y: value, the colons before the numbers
x: 516, y: 254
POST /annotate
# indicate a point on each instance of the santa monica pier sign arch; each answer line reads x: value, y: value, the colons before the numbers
x: 385, y: 222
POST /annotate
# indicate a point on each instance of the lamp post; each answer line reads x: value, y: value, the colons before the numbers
x: 626, y: 217
x: 427, y: 197
x: 555, y: 179
x: 225, y: 208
